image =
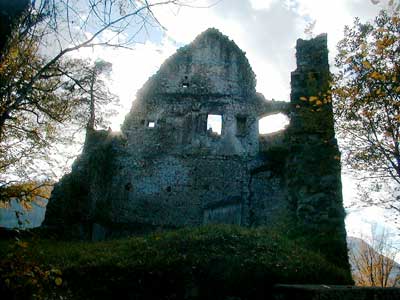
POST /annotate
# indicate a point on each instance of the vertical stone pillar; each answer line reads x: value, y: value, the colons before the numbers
x: 314, y: 180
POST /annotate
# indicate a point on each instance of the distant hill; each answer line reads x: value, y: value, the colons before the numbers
x: 355, y: 245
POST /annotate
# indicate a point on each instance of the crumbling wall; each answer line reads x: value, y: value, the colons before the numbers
x: 166, y: 170
x: 313, y: 166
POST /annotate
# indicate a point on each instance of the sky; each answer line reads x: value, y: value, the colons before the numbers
x: 267, y: 31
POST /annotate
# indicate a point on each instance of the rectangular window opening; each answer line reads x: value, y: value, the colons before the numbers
x: 151, y: 124
x: 241, y: 126
x: 214, y: 124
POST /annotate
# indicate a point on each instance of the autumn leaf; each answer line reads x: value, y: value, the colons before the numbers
x: 22, y: 244
x: 375, y: 75
x: 366, y: 64
x: 58, y: 281
x: 56, y: 271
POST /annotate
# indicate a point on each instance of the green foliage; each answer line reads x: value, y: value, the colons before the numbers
x: 22, y: 276
x: 367, y: 95
x: 211, y: 262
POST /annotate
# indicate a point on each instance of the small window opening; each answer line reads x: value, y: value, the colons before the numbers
x: 214, y: 124
x: 185, y: 83
x: 151, y: 124
x: 241, y: 126
x: 273, y: 123
x: 128, y: 186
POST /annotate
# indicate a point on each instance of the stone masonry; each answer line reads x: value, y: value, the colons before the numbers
x: 165, y: 169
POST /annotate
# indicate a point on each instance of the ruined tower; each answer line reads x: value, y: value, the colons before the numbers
x: 167, y: 169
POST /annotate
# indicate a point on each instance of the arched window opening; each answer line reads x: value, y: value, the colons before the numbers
x: 214, y: 124
x: 273, y: 123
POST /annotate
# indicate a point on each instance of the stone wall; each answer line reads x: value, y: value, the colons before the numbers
x: 313, y: 173
x: 167, y: 170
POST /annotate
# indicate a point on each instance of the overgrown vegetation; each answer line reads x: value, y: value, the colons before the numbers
x: 212, y: 262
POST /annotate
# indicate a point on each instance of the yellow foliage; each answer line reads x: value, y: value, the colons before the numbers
x: 348, y: 60
x: 366, y: 64
x: 313, y: 98
x: 22, y: 244
x: 26, y: 192
x: 319, y: 102
x: 374, y: 75
x: 56, y: 271
x: 378, y: 76
x: 58, y: 281
x: 303, y: 98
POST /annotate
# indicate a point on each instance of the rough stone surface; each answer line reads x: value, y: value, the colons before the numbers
x: 166, y: 170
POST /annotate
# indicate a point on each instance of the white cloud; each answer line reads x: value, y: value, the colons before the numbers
x: 261, y: 4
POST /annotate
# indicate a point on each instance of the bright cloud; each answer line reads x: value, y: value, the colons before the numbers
x: 261, y: 4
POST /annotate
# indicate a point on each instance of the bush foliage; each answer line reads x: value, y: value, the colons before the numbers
x: 211, y: 262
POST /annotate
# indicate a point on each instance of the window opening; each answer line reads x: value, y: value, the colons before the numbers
x: 241, y: 126
x: 214, y: 124
x: 273, y: 123
x: 151, y: 124
x: 185, y: 83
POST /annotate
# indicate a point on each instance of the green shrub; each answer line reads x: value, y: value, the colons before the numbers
x: 211, y: 262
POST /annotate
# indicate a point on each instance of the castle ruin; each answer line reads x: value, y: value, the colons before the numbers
x: 166, y: 169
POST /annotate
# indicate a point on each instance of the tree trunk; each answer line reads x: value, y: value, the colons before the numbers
x: 92, y: 113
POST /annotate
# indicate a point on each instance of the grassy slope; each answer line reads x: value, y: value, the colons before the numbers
x: 194, y: 263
